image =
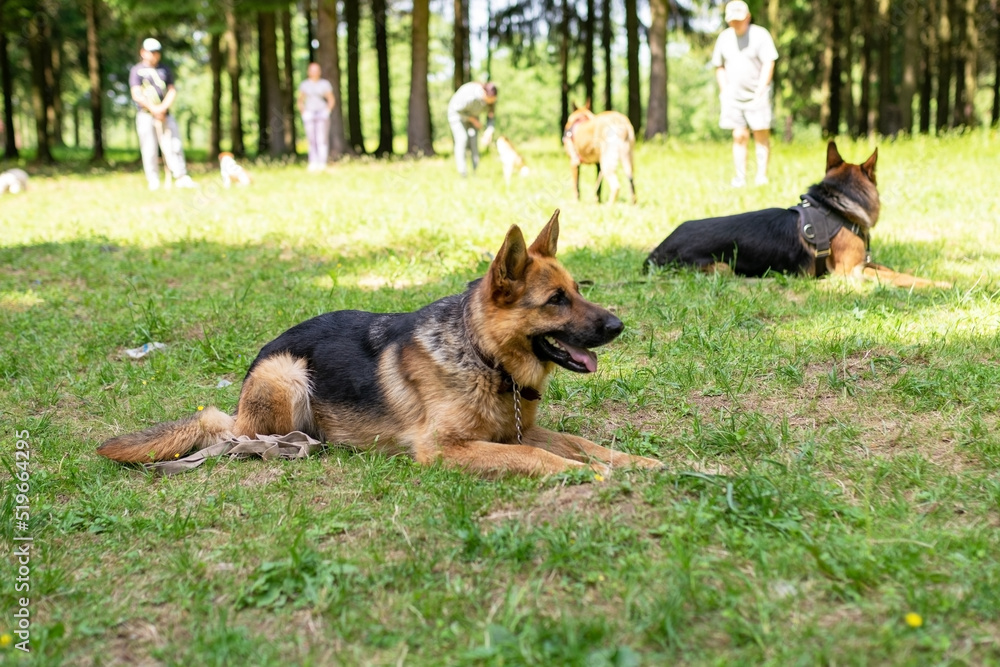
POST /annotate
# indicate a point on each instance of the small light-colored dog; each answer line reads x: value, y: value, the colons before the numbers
x: 232, y: 171
x: 13, y: 181
x: 510, y: 159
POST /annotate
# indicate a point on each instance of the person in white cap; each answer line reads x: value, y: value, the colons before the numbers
x: 153, y: 92
x: 744, y: 67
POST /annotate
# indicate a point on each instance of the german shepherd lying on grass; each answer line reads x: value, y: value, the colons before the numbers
x: 459, y: 380
x: 828, y: 232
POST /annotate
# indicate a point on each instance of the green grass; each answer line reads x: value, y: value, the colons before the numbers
x: 832, y: 449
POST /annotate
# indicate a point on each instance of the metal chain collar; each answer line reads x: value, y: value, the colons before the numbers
x: 517, y: 409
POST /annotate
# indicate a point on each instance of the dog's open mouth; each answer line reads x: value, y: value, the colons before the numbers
x: 577, y: 359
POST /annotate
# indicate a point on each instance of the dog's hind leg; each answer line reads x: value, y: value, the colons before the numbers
x: 275, y: 398
x: 628, y: 167
x: 610, y: 155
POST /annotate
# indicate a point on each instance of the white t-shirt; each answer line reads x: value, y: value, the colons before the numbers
x: 743, y: 58
x: 468, y: 100
x: 315, y: 92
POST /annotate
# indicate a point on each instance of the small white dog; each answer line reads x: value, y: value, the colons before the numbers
x: 13, y: 181
x: 232, y: 171
x: 510, y: 159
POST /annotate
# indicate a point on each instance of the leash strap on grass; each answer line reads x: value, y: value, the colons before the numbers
x: 295, y: 445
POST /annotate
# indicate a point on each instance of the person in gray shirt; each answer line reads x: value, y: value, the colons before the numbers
x: 744, y: 67
x: 315, y: 103
x: 468, y: 103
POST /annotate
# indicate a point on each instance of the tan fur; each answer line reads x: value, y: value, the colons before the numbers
x: 847, y: 250
x: 606, y: 139
x: 435, y: 404
x: 275, y: 398
x: 171, y: 439
x: 232, y: 171
x: 510, y: 159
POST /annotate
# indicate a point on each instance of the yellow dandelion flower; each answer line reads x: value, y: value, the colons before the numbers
x: 143, y: 382
x: 598, y: 478
x: 200, y: 407
x: 5, y: 640
x: 914, y: 620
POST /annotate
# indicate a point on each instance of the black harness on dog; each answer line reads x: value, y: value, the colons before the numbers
x: 819, y: 224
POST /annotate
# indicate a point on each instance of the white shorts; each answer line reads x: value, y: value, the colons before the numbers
x: 755, y: 114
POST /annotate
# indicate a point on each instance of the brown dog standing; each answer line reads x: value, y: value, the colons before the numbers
x: 458, y: 381
x: 606, y: 139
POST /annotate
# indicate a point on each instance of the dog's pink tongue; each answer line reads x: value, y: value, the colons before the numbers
x: 582, y: 355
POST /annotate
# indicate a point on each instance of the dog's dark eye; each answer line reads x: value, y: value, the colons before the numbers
x: 558, y: 299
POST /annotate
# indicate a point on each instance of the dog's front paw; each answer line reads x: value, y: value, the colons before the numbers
x: 645, y: 462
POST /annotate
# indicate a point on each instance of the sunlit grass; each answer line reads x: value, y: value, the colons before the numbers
x: 832, y: 448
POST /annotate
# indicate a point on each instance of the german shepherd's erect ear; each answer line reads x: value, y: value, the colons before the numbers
x: 833, y: 158
x: 509, y: 266
x: 868, y: 167
x: 545, y: 244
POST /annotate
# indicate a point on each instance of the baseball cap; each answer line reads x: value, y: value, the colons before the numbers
x: 151, y: 44
x: 737, y: 10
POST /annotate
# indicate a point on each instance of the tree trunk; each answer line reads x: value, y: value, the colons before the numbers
x: 10, y: 151
x: 888, y: 118
x: 911, y: 63
x: 39, y: 52
x: 564, y: 66
x: 272, y: 124
x: 92, y: 7
x: 307, y: 10
x: 490, y: 33
x: 656, y: 114
x: 352, y: 15
x: 328, y: 57
x: 288, y: 81
x: 460, y: 43
x: 632, y: 49
x: 385, y: 133
x: 607, y: 38
x: 944, y: 65
x: 830, y: 90
x: 215, y: 115
x: 928, y: 49
x: 587, y: 73
x: 958, y: 59
x: 847, y: 91
x: 418, y: 130
x: 232, y: 39
x: 867, y: 47
x: 970, y: 66
x: 995, y: 117
x: 53, y: 77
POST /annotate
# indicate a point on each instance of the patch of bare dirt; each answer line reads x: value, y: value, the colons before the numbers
x: 884, y: 430
x: 551, y: 504
x: 131, y: 642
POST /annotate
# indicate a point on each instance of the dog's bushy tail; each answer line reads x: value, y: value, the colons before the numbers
x: 171, y: 439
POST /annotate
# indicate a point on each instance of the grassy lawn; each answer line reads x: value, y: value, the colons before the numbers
x: 832, y: 449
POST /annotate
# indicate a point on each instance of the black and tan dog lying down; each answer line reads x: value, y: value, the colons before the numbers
x: 827, y: 232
